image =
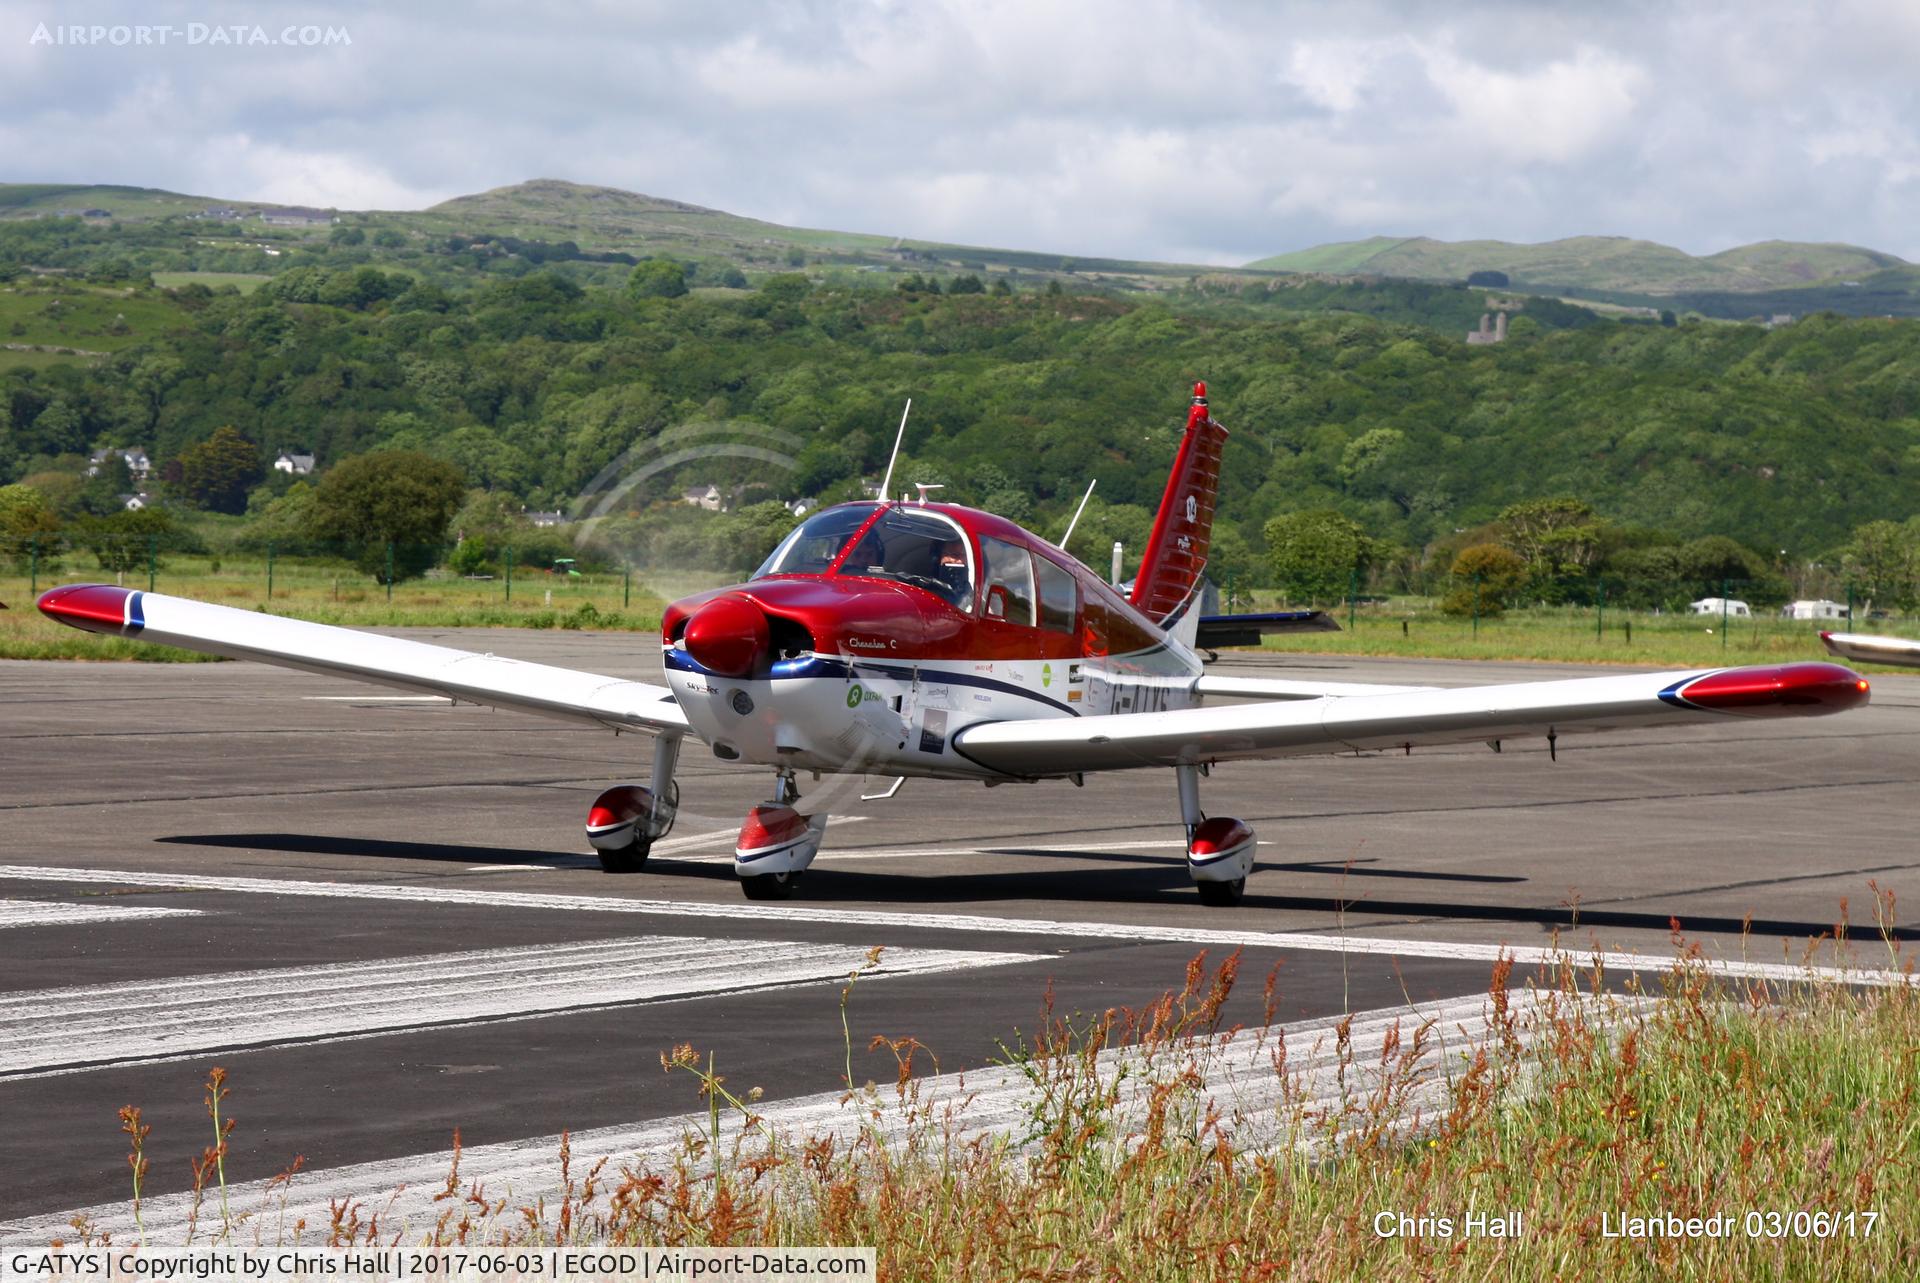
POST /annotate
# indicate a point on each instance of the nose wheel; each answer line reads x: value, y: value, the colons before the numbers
x: 776, y: 844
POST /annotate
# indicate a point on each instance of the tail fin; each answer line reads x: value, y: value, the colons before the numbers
x: 1168, y: 585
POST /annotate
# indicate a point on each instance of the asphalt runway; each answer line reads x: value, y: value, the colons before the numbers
x: 380, y: 916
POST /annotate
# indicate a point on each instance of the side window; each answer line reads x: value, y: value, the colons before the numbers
x: 1009, y: 582
x: 1056, y: 595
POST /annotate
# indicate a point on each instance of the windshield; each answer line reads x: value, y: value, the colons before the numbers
x: 816, y: 542
x: 920, y: 548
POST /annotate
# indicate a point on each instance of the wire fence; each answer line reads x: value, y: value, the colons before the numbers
x: 590, y: 589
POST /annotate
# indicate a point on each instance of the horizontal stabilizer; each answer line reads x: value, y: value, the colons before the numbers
x: 1220, y: 631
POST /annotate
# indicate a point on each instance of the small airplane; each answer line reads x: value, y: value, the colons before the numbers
x: 910, y: 638
x: 1872, y: 649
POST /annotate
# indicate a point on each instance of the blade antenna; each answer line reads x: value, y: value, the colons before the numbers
x: 893, y: 458
x: 1076, y: 514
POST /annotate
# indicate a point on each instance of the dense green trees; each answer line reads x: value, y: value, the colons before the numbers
x: 218, y: 473
x: 534, y: 385
x: 388, y: 498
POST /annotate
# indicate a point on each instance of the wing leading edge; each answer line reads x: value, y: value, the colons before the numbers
x: 1334, y: 724
x: 609, y: 702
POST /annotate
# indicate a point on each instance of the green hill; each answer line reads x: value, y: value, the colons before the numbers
x: 1603, y: 263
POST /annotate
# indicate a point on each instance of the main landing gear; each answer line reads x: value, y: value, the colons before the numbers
x: 627, y: 820
x: 1220, y: 851
x: 776, y: 844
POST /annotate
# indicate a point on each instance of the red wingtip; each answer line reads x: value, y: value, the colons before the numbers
x: 1807, y: 689
x: 1200, y: 394
x: 94, y: 607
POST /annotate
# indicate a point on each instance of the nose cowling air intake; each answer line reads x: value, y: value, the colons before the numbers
x: 728, y: 636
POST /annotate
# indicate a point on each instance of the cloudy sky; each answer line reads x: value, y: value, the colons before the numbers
x: 1195, y: 130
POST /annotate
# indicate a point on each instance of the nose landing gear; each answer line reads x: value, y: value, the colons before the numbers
x: 776, y: 844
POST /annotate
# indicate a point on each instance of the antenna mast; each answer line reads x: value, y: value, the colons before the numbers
x: 887, y: 481
x: 1076, y: 513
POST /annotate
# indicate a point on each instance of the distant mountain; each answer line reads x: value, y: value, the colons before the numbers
x: 1613, y: 264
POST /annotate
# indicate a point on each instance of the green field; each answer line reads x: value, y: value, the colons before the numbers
x: 1413, y: 629
x: 245, y: 282
x: 333, y: 592
x: 53, y: 313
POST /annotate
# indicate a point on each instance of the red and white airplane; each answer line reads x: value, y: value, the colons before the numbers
x: 901, y: 638
x: 1871, y: 648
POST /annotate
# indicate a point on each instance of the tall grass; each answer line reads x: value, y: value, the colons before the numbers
x: 1133, y: 1153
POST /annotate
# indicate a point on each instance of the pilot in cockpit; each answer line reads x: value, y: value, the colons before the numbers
x: 952, y: 572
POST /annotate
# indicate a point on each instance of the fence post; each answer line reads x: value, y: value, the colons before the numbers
x: 1476, y: 603
x: 509, y: 574
x: 1723, y: 614
x: 626, y: 586
x: 269, y: 570
x: 33, y: 563
x: 1849, y: 607
x: 153, y: 557
x: 389, y: 571
x: 1600, y: 614
x: 1353, y: 593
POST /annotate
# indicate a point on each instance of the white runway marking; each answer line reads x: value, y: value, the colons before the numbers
x: 994, y: 1100
x: 1523, y: 955
x: 36, y: 913
x: 154, y: 1019
x: 379, y: 699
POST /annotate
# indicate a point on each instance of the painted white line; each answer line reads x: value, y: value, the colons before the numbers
x: 1523, y: 955
x: 379, y: 699
x: 509, y: 868
x: 147, y: 1019
x: 36, y: 913
x: 1256, y: 1103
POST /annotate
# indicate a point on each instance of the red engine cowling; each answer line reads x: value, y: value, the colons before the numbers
x: 619, y: 816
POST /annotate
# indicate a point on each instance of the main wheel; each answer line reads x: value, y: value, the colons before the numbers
x: 769, y: 886
x: 1221, y: 895
x: 628, y: 859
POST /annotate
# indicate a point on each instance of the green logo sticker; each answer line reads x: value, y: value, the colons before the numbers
x: 854, y: 696
x: 1046, y: 674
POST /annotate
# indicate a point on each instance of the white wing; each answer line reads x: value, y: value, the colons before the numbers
x: 1874, y: 650
x: 345, y: 652
x: 1049, y: 747
x: 1287, y: 688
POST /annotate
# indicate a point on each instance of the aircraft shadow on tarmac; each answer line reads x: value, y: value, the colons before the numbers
x: 1145, y: 879
x: 382, y: 848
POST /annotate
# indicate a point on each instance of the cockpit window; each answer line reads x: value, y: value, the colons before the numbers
x: 920, y: 548
x: 815, y: 543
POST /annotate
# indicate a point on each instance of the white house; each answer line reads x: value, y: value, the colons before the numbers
x: 546, y: 520
x: 1719, y: 605
x: 135, y: 502
x: 299, y: 465
x: 708, y: 497
x: 1820, y: 609
x: 801, y: 507
x: 137, y: 461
